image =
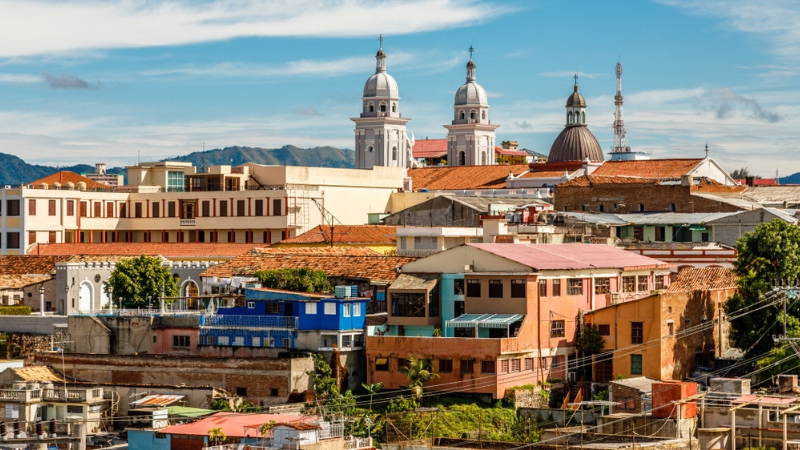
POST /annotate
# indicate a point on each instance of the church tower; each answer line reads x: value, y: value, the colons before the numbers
x: 470, y: 137
x: 381, y: 129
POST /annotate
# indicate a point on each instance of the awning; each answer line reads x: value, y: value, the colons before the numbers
x: 484, y: 320
x: 157, y: 400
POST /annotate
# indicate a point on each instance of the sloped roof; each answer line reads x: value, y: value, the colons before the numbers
x: 347, y: 234
x: 336, y: 262
x: 697, y: 279
x: 430, y: 148
x: 20, y: 281
x: 30, y: 264
x: 66, y: 176
x: 572, y: 256
x: 36, y: 373
x: 508, y: 152
x: 591, y: 180
x: 167, y: 249
x: 234, y: 425
x: 648, y: 168
x: 454, y: 178
x: 408, y: 281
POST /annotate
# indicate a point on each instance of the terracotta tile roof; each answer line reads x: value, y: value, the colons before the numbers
x: 66, y: 176
x: 464, y: 177
x: 168, y: 250
x: 36, y: 373
x: 347, y: 234
x: 30, y: 264
x: 20, y: 281
x: 544, y: 174
x: 593, y: 180
x: 648, y: 168
x: 430, y: 148
x: 502, y: 151
x: 692, y: 279
x: 336, y: 262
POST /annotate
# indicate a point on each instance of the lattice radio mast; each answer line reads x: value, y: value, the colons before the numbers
x: 620, y: 141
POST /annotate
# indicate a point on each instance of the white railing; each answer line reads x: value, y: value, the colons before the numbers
x: 138, y: 312
x: 330, y: 430
x: 356, y: 442
x: 418, y: 253
x: 187, y: 222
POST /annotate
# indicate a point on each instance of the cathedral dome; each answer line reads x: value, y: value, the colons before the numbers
x: 576, y: 99
x: 381, y: 84
x: 471, y: 93
x: 575, y: 143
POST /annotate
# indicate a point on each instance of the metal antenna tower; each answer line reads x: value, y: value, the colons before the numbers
x: 620, y: 141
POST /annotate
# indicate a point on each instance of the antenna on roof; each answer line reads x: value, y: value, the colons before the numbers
x: 706, y: 150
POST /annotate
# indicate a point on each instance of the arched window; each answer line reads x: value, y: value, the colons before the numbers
x: 394, y: 107
x: 461, y: 113
x: 472, y: 114
x: 462, y: 159
x: 483, y: 114
x: 483, y: 158
x: 371, y: 107
x: 383, y: 107
x: 569, y: 117
x: 583, y: 117
x: 394, y: 153
x: 191, y: 289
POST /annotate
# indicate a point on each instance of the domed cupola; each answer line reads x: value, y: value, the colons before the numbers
x: 471, y: 104
x: 576, y: 142
x: 381, y: 84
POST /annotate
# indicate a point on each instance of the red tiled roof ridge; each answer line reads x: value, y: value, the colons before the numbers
x: 356, y: 234
x: 705, y: 278
x: 67, y: 176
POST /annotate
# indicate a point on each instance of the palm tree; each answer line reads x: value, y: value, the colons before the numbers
x: 372, y: 389
x: 216, y: 435
x: 418, y: 371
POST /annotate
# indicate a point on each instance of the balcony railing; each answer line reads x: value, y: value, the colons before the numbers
x: 20, y: 395
x: 187, y: 222
x: 224, y: 321
x: 356, y: 442
x: 139, y: 312
x: 418, y: 253
x: 76, y: 395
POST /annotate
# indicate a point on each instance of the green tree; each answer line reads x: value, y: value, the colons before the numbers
x: 418, y: 371
x: 741, y: 174
x: 328, y: 394
x: 589, y: 341
x: 295, y: 279
x: 771, y: 251
x: 216, y: 435
x: 372, y: 389
x: 138, y: 281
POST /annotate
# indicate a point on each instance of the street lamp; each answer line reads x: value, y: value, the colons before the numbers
x: 41, y: 300
x: 110, y: 298
x: 66, y: 298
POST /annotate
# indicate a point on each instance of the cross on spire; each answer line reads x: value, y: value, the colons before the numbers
x: 471, y: 50
x: 576, y: 78
x: 380, y: 39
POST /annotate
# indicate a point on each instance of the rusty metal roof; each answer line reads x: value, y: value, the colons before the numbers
x: 158, y: 400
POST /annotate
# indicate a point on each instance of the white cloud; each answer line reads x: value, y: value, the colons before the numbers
x: 36, y: 27
x: 567, y: 73
x: 19, y: 78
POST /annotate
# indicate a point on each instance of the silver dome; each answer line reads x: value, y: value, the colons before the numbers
x: 381, y: 84
x: 471, y: 93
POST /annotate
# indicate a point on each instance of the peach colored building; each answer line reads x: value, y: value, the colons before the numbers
x: 493, y: 316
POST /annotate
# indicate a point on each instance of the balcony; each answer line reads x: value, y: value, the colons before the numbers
x: 73, y: 395
x: 259, y: 322
x: 20, y: 396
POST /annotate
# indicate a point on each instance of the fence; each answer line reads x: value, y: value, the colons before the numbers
x: 286, y: 322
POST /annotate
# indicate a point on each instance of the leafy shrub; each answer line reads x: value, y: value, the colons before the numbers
x: 15, y: 310
x: 295, y: 279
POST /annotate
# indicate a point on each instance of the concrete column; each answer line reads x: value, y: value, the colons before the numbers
x: 733, y: 430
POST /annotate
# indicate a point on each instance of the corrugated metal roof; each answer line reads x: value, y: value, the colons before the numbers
x: 483, y: 320
x: 609, y: 219
x: 234, y: 425
x: 669, y: 218
x: 157, y: 400
x: 643, y: 384
x: 571, y: 256
x: 37, y: 373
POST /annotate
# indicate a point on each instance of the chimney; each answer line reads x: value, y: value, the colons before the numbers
x: 687, y: 180
x: 749, y: 181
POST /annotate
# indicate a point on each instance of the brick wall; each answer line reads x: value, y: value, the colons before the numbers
x: 628, y: 196
x: 23, y: 345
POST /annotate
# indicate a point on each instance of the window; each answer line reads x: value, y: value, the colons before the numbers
x: 641, y: 207
x: 32, y: 207
x: 637, y: 332
x: 445, y: 366
x: 462, y: 157
x: 346, y: 340
x: 51, y: 237
x: 601, y: 208
x: 156, y: 209
x: 394, y: 153
x: 504, y: 366
x: 636, y: 364
x: 394, y: 107
x: 488, y: 366
x: 408, y: 304
x: 659, y: 282
x: 515, y: 365
x: 358, y: 340
x: 180, y: 341
x: 110, y: 209
x: 31, y: 237
x: 223, y: 340
x: 557, y: 329
x: 84, y: 210
x: 311, y: 308
x: 672, y: 207
x: 137, y: 209
x: 223, y: 208
x: 241, y: 391
x: 71, y: 207
x: 357, y: 310
x: 74, y: 409
x: 518, y: 288
x: 602, y: 285
x: 574, y: 286
x: 12, y: 207
x: 330, y: 309
x: 641, y: 283
x: 346, y: 309
x: 12, y: 239
x: 670, y: 329
x: 604, y: 330
x: 425, y: 243
x: 557, y: 288
x: 329, y: 340
x: 466, y: 367
x: 382, y: 364
x: 259, y: 207
x: 542, y: 288
x: 276, y: 207
x: 528, y: 363
x: 175, y: 181
x: 496, y: 288
x: 171, y: 209
x: 241, y: 209
x: 473, y: 288
x: 251, y: 305
x: 51, y: 207
x: 556, y: 361
x: 458, y: 286
x: 383, y: 107
x: 660, y: 232
x: 205, y: 208
x: 628, y: 284
x: 273, y: 308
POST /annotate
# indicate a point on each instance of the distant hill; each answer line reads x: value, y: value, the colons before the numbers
x: 14, y: 171
x: 791, y: 179
x: 288, y: 155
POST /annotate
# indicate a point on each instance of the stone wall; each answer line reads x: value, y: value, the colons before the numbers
x: 24, y: 345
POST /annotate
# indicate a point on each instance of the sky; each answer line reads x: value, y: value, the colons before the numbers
x: 120, y: 81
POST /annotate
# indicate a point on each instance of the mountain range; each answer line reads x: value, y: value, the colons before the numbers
x: 15, y: 171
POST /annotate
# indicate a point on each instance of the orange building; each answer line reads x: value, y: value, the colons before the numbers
x: 666, y: 335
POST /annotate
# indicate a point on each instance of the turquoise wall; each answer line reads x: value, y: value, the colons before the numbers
x: 449, y: 298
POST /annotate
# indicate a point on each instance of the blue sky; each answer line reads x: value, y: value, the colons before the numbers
x: 90, y: 81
